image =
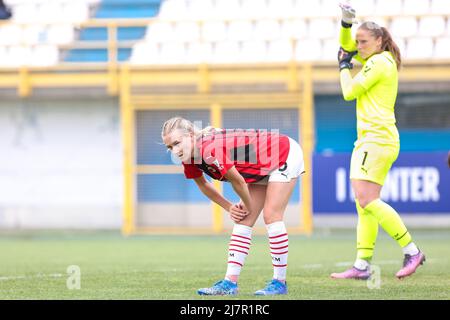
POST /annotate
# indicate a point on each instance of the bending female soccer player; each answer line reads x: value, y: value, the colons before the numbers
x: 262, y: 168
x: 377, y: 145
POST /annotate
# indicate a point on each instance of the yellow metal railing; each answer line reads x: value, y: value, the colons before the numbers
x: 26, y: 79
x: 128, y: 142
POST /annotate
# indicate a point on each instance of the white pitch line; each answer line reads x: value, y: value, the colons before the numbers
x: 52, y: 275
x: 304, y: 266
x: 343, y: 264
x: 312, y: 266
x: 389, y: 262
x: 12, y: 278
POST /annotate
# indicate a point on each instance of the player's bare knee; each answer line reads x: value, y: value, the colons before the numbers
x: 271, y: 217
x: 363, y: 197
x: 247, y: 221
x: 364, y: 201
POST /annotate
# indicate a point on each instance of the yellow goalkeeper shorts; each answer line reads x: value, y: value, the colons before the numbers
x: 372, y: 161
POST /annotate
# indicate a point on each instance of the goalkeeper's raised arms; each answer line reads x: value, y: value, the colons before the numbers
x: 348, y: 15
x: 345, y: 58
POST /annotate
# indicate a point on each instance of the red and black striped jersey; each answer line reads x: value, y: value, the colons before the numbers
x: 254, y: 153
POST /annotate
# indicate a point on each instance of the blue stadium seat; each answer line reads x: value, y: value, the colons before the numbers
x: 128, y: 9
x: 110, y: 9
x: 101, y: 34
x: 96, y: 55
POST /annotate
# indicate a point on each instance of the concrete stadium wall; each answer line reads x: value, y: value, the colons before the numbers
x: 60, y: 163
x: 199, y: 215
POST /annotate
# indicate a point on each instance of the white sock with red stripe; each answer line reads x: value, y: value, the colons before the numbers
x: 279, y: 244
x: 238, y: 248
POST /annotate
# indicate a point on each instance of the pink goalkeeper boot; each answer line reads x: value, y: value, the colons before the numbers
x: 410, y: 264
x: 352, y: 273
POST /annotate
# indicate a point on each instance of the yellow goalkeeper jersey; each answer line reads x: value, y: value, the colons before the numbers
x: 375, y: 89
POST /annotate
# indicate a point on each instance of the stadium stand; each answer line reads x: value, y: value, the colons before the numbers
x: 388, y: 7
x: 55, y: 27
x: 70, y: 31
x: 5, y: 12
x: 38, y: 28
x: 112, y: 9
x: 304, y: 23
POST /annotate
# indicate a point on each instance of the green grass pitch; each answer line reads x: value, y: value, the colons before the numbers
x: 34, y: 266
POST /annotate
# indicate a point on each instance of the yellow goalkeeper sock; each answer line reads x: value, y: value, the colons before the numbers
x: 366, y: 233
x: 389, y: 220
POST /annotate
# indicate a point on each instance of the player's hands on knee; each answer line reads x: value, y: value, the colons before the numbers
x: 241, y: 205
x: 348, y: 15
x: 238, y: 212
x: 345, y: 58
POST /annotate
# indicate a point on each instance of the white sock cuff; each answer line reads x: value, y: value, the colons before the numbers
x: 361, y: 264
x: 242, y: 230
x: 410, y: 249
x: 277, y: 227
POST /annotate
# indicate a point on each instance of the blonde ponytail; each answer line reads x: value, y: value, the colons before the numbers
x: 179, y: 123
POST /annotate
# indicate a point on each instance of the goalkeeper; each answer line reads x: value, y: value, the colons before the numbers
x: 377, y: 145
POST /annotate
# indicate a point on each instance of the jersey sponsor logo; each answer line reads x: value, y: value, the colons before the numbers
x: 244, y: 154
x: 211, y: 169
x: 214, y: 162
x: 217, y: 164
